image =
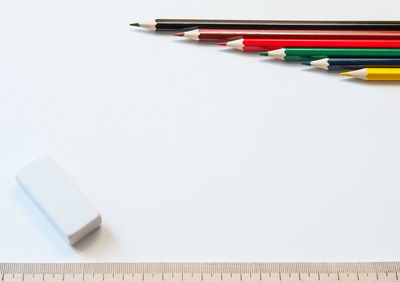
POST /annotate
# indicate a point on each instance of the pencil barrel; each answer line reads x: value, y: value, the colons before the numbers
x: 233, y: 34
x: 186, y: 24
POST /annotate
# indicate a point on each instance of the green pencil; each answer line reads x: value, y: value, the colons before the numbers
x: 301, y: 53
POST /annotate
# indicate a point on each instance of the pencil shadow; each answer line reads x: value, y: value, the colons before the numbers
x: 371, y: 82
x: 151, y: 32
x: 238, y: 52
x: 280, y: 62
x: 194, y: 42
x: 327, y: 72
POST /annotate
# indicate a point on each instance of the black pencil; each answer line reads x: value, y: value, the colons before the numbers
x: 187, y: 24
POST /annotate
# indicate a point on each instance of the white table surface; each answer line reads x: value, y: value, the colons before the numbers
x: 193, y: 152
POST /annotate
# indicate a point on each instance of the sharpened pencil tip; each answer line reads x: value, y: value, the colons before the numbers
x: 345, y: 73
x: 264, y: 53
x: 134, y: 24
x: 179, y: 34
x: 306, y: 63
x: 222, y: 43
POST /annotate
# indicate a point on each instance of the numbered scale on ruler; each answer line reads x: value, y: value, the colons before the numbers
x: 199, y: 272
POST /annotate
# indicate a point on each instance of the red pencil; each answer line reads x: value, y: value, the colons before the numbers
x: 232, y: 34
x: 272, y: 44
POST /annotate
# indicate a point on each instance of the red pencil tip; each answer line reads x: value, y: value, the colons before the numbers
x: 222, y: 43
x: 179, y: 34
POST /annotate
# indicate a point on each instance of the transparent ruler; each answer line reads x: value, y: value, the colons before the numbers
x: 199, y: 272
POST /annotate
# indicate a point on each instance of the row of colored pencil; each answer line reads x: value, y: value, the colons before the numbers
x: 371, y: 49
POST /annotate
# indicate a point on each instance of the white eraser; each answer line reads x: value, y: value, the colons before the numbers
x: 59, y: 199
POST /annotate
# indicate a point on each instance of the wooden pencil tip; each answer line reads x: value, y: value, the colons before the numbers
x: 222, y: 43
x: 134, y: 24
x: 179, y: 34
x: 345, y: 73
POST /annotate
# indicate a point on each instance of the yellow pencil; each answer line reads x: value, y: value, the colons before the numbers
x: 375, y: 74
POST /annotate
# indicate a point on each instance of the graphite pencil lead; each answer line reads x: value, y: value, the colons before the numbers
x: 134, y: 24
x: 179, y: 34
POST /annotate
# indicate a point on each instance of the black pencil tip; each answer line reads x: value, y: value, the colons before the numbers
x: 134, y: 24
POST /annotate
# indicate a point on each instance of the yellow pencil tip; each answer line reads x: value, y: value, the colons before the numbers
x: 345, y: 73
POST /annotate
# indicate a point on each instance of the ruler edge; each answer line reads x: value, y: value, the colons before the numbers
x: 205, y: 267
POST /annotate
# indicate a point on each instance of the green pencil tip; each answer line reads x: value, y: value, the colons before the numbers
x: 345, y: 73
x: 264, y: 53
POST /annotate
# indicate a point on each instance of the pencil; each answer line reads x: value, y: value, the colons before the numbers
x: 293, y: 53
x: 187, y: 24
x: 232, y: 34
x: 335, y: 63
x: 271, y: 44
x: 375, y: 74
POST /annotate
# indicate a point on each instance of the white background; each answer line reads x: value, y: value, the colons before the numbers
x: 194, y: 152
